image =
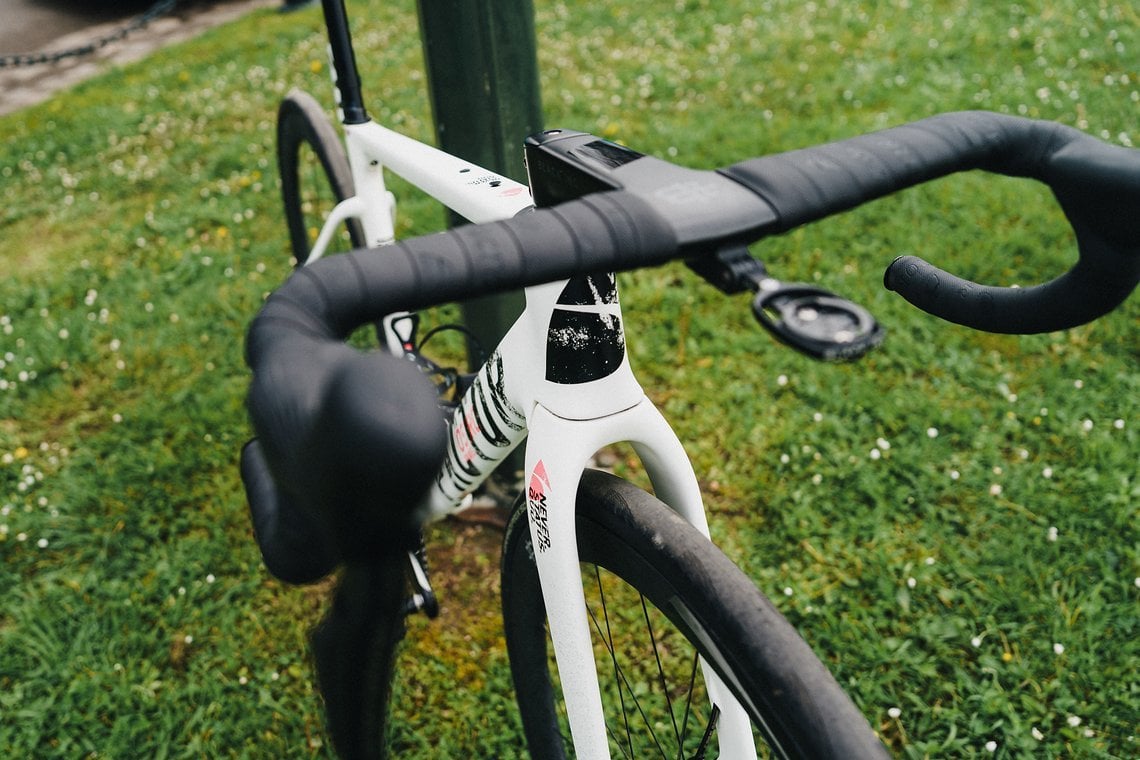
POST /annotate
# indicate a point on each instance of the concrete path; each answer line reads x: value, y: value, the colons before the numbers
x: 27, y: 26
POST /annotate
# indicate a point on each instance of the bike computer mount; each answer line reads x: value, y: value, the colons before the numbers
x: 808, y: 318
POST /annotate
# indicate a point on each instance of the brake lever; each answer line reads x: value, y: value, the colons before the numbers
x: 810, y: 319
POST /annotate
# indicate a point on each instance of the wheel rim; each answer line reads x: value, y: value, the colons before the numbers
x: 316, y: 198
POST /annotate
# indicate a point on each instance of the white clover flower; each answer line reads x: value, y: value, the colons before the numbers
x: 991, y: 746
x: 788, y: 591
x: 911, y: 583
x: 1051, y: 534
x: 1058, y: 649
x: 995, y: 489
x: 1047, y: 472
x: 42, y: 543
x: 954, y: 474
x: 1036, y: 733
x: 1073, y: 720
x: 894, y: 712
x: 976, y: 642
x: 1118, y: 424
x: 210, y: 578
x: 876, y: 454
x: 932, y: 432
x: 1086, y: 425
x: 782, y: 380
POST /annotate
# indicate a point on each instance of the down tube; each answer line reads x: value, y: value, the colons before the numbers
x: 484, y: 429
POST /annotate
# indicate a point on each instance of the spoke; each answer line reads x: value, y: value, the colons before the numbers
x: 661, y: 672
x: 689, y: 696
x: 609, y: 639
x: 623, y: 679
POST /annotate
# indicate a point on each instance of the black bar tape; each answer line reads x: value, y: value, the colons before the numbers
x: 605, y: 232
x: 1075, y: 298
x: 812, y: 183
x: 294, y: 545
x: 357, y: 437
x: 1097, y: 185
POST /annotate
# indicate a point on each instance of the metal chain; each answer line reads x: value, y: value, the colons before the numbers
x: 160, y: 8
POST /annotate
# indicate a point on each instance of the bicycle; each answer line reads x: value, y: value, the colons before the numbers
x: 325, y: 413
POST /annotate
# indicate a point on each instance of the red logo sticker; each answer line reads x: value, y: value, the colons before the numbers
x: 536, y: 505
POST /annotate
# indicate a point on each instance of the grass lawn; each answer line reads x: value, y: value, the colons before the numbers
x: 952, y: 521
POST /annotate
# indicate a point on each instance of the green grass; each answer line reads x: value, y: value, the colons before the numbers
x: 982, y: 580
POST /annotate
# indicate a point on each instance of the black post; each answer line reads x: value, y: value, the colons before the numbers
x: 483, y: 80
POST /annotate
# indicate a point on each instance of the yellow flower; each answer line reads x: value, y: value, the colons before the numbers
x: 21, y: 453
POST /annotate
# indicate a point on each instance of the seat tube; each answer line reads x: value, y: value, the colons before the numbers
x: 349, y: 97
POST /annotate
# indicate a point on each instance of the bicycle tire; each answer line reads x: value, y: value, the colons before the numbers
x: 797, y: 707
x: 315, y: 174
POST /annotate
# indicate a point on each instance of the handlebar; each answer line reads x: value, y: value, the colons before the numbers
x: 1097, y: 185
x: 311, y: 392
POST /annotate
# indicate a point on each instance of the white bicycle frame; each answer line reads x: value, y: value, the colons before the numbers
x: 512, y: 398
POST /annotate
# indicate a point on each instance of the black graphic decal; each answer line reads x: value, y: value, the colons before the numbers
x: 590, y: 290
x: 483, y: 429
x: 582, y: 346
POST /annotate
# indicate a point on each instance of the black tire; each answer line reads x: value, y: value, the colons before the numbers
x: 796, y: 706
x: 315, y: 175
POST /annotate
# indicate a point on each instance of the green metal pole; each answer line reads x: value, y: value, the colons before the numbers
x: 483, y: 82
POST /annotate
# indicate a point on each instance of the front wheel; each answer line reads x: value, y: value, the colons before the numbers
x: 315, y: 175
x: 659, y: 594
